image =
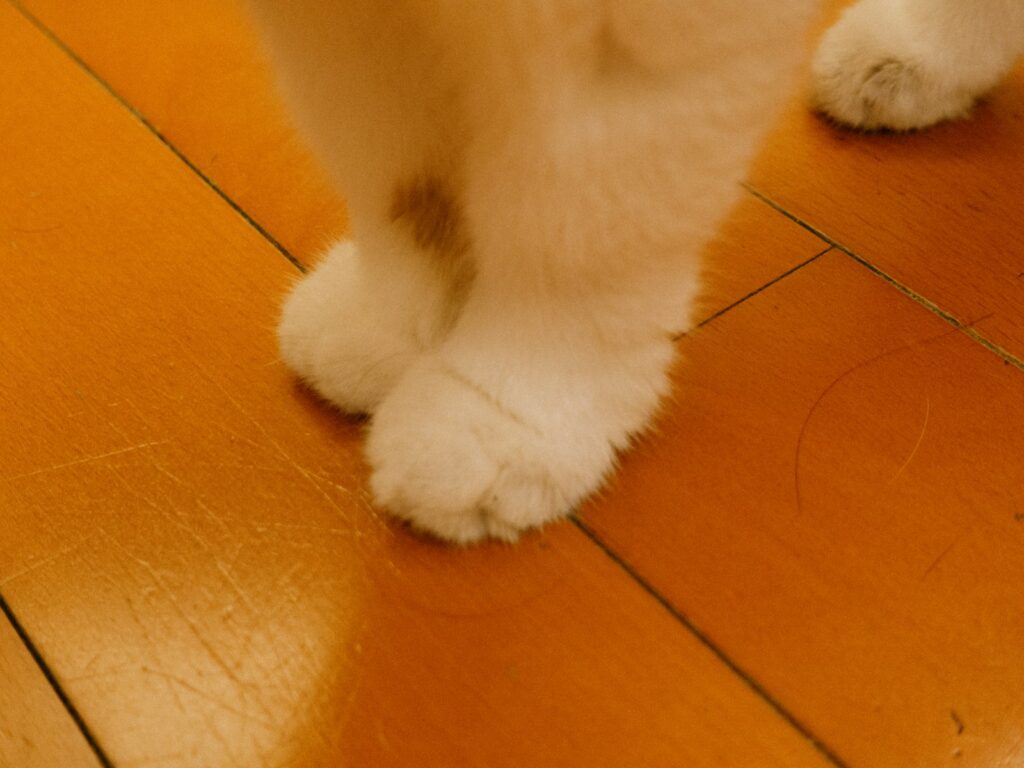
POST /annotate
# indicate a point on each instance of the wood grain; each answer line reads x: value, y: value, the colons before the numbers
x: 35, y: 729
x: 187, y: 533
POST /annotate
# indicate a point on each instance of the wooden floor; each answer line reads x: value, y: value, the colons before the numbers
x: 817, y: 561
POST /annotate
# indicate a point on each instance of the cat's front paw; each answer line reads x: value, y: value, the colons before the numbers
x: 349, y: 335
x: 871, y: 73
x: 448, y: 458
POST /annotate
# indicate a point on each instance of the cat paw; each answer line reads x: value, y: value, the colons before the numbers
x: 456, y: 464
x: 347, y: 337
x: 869, y: 73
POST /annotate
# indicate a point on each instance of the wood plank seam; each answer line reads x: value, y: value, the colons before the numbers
x: 755, y: 292
x: 64, y: 48
x: 824, y: 749
x: 967, y: 328
x: 62, y: 696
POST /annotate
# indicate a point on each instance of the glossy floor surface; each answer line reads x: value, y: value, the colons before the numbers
x: 818, y: 560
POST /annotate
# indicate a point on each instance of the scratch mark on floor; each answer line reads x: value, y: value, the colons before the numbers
x: 920, y: 439
x: 942, y: 556
x: 45, y: 561
x: 183, y: 683
x: 194, y: 628
x: 309, y: 475
x: 85, y: 460
x: 841, y: 377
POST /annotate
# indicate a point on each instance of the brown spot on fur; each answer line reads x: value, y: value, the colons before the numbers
x: 430, y: 211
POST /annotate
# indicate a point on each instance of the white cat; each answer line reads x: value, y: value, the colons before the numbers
x: 530, y: 184
x: 906, y: 64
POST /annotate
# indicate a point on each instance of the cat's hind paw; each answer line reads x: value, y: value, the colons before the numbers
x: 870, y: 74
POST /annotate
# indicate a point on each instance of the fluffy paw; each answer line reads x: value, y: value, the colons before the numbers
x: 869, y: 73
x: 351, y: 337
x: 451, y: 460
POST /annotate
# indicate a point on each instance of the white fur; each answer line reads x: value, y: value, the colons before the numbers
x: 349, y: 331
x: 588, y: 149
x: 906, y: 64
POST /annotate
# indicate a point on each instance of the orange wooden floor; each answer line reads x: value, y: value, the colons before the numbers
x: 817, y: 561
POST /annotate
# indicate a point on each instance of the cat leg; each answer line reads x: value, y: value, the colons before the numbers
x: 907, y: 64
x: 596, y: 171
x: 366, y: 93
x: 585, y: 271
